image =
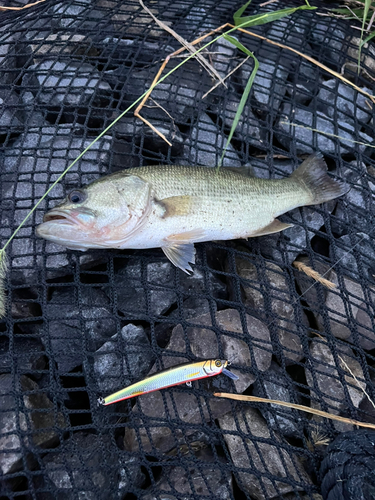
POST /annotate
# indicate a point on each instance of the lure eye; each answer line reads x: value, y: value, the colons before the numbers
x: 77, y: 196
x: 218, y: 363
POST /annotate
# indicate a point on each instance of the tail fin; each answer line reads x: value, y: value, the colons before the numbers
x: 312, y: 173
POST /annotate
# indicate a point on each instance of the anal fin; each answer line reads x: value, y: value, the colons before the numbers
x: 274, y: 227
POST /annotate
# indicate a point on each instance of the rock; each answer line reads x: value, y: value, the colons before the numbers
x: 203, y: 477
x: 323, y: 378
x: 320, y: 138
x: 367, y: 58
x: 269, y: 85
x: 277, y: 384
x: 124, y: 359
x: 86, y: 465
x: 26, y: 421
x: 338, y: 99
x: 350, y: 300
x: 206, y: 144
x: 23, y: 355
x: 277, y: 309
x: 329, y: 33
x: 159, y: 277
x: 68, y: 84
x: 223, y: 57
x: 353, y: 210
x: 57, y: 43
x: 73, y: 328
x: 356, y: 255
x: 185, y: 405
x: 131, y: 475
x: 11, y: 116
x: 271, y: 468
x: 249, y: 128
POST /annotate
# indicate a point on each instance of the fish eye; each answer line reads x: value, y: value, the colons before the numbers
x: 218, y: 363
x: 77, y: 196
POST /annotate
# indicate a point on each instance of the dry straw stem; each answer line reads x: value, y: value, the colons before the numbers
x: 309, y: 271
x: 312, y: 60
x: 329, y: 134
x: 307, y: 409
x: 21, y: 8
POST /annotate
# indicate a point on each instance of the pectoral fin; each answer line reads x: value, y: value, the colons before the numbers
x: 179, y: 248
x: 177, y: 205
x: 275, y: 227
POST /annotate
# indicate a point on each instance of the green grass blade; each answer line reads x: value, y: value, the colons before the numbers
x: 245, y: 94
x: 266, y: 17
x: 370, y: 37
x: 365, y: 14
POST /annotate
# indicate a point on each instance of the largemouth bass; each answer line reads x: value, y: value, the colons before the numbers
x: 173, y: 207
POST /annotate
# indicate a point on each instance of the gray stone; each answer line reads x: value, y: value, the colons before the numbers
x: 23, y: 355
x: 203, y: 477
x: 271, y: 468
x: 223, y: 57
x: 28, y: 418
x: 277, y: 384
x: 70, y: 84
x: 355, y: 208
x: 350, y: 300
x: 186, y: 406
x: 206, y: 143
x: 356, y: 255
x: 131, y: 476
x: 281, y: 300
x: 73, y: 327
x: 329, y: 33
x: 249, y: 128
x: 337, y: 99
x: 323, y: 378
x: 320, y: 138
x: 71, y: 15
x: 57, y: 43
x: 269, y: 85
x: 11, y: 116
x: 124, y: 359
x: 86, y: 465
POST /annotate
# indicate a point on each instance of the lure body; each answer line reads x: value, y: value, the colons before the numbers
x: 176, y: 375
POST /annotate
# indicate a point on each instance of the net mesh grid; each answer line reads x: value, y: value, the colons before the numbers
x: 67, y: 307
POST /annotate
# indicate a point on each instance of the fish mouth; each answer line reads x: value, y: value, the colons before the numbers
x: 59, y: 217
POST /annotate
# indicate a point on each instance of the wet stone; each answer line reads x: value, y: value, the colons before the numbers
x: 350, y: 300
x: 61, y: 83
x: 26, y: 420
x: 322, y: 375
x: 206, y: 143
x: 270, y: 467
x: 185, y: 405
x: 308, y: 141
x: 131, y: 475
x: 74, y: 328
x: 86, y: 465
x: 204, y: 477
x: 23, y: 355
x: 288, y: 344
x: 11, y: 116
x: 124, y: 359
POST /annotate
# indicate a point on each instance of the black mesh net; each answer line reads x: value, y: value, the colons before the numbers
x: 82, y: 325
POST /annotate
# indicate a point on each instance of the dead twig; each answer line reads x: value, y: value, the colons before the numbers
x: 21, y: 8
x: 309, y: 271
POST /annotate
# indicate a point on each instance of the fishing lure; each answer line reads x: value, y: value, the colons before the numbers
x: 181, y: 374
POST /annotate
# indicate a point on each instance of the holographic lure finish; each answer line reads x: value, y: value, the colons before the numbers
x: 176, y: 375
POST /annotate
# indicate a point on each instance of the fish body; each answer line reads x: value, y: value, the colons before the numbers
x: 176, y: 375
x: 173, y: 207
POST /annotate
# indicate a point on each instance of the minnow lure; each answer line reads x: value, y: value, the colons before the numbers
x: 181, y: 374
